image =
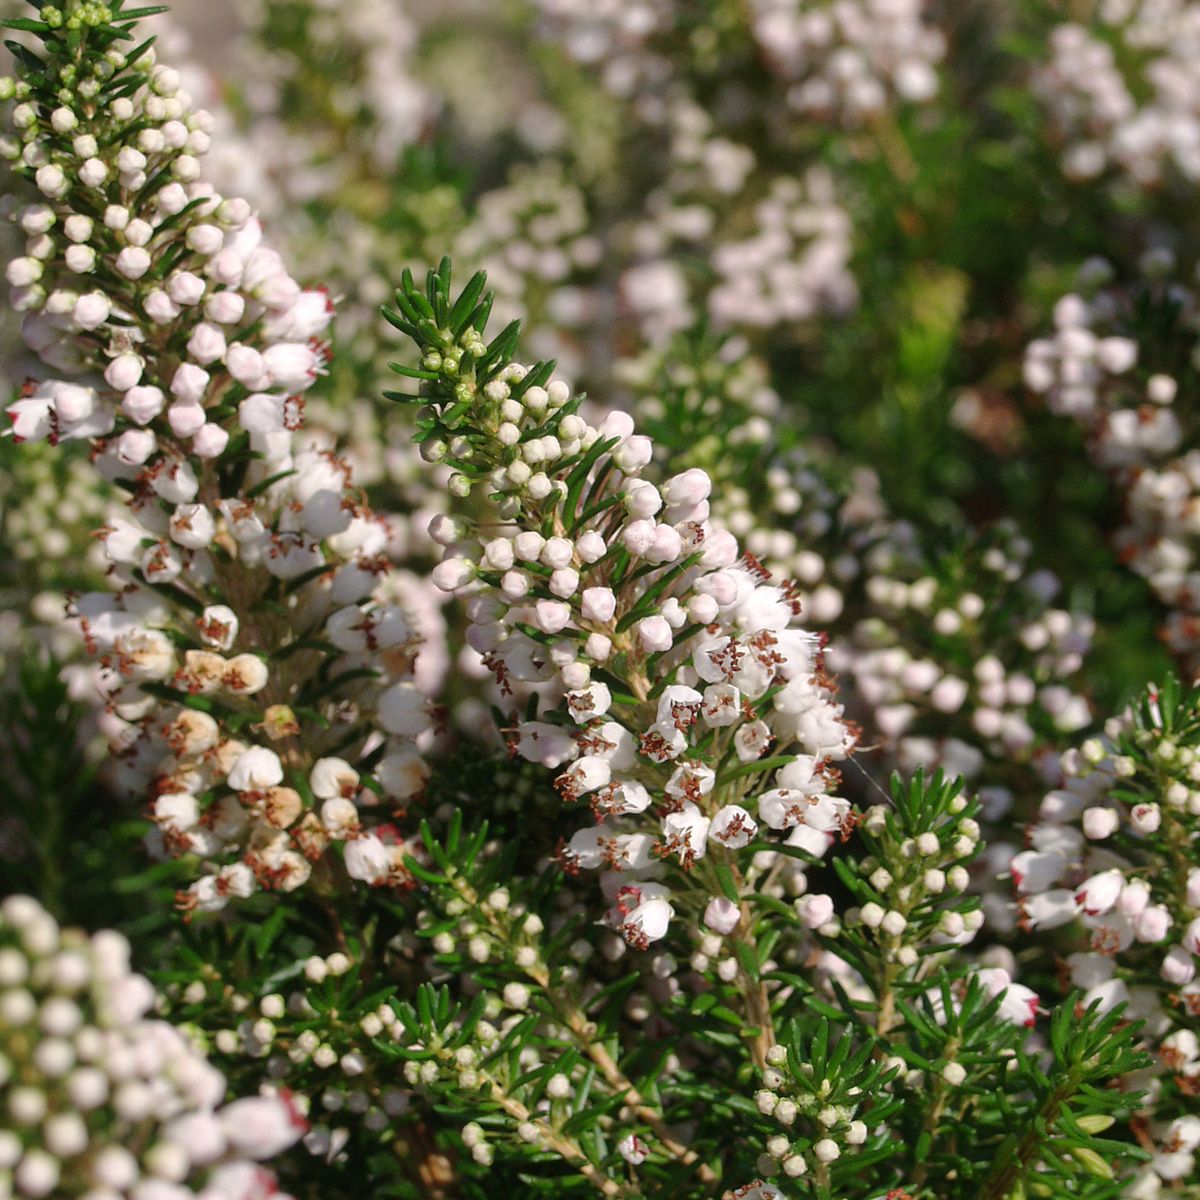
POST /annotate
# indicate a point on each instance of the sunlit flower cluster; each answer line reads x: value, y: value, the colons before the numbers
x: 242, y: 648
x: 841, y: 61
x: 783, y: 263
x: 593, y: 569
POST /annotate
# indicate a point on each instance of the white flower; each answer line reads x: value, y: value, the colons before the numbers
x: 218, y: 626
x: 262, y: 1126
x: 586, y: 704
x: 331, y: 777
x: 178, y: 812
x: 255, y: 769
x: 548, y: 744
x: 367, y: 858
x: 584, y: 775
x: 260, y: 412
x: 246, y: 674
x: 586, y: 849
x: 1049, y: 910
x: 145, y: 654
x: 339, y: 815
x: 402, y: 774
x: 1098, y: 894
x: 733, y: 827
x: 633, y: 1150
x: 646, y: 913
x: 721, y: 915
x: 192, y: 525
x: 1191, y: 937
x: 292, y: 366
x: 1034, y: 871
x: 686, y: 833
x: 402, y: 710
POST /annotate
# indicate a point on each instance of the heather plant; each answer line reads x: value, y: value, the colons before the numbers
x: 625, y: 714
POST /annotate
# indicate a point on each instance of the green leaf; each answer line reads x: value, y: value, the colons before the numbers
x: 725, y: 878
x: 465, y: 305
x: 757, y: 768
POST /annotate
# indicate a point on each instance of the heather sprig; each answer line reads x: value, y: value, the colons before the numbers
x: 248, y: 648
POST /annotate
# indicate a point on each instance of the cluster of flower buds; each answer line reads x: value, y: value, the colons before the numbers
x: 532, y: 1100
x: 1113, y: 852
x: 781, y: 259
x: 261, y: 683
x: 959, y: 655
x: 327, y: 1064
x: 1114, y: 366
x: 674, y: 663
x: 911, y: 909
x: 1125, y: 94
x: 536, y: 1092
x: 803, y: 1103
x: 910, y: 891
x: 848, y: 61
x: 103, y: 1101
x: 841, y: 62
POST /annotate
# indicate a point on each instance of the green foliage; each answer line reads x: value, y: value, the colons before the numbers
x: 65, y: 838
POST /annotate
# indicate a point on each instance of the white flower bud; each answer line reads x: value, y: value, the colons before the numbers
x: 133, y: 262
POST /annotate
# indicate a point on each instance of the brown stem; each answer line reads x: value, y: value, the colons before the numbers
x: 941, y: 1092
x: 563, y: 1147
x: 1007, y: 1174
x: 754, y: 994
x: 885, y: 1017
x: 583, y: 1031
